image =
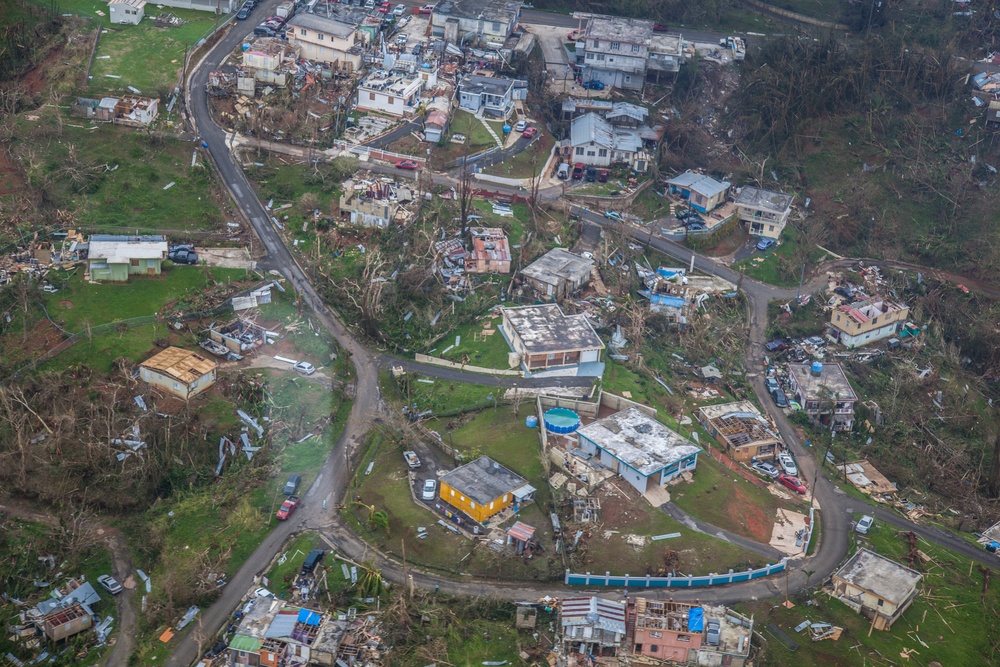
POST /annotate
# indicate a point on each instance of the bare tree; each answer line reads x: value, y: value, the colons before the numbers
x: 365, y: 293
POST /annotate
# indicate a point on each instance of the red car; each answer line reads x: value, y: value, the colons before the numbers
x: 659, y: 27
x: 407, y: 164
x: 287, y: 508
x: 529, y: 132
x: 792, y: 483
x: 423, y: 9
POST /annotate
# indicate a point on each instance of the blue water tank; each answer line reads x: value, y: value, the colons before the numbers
x: 506, y: 129
x: 246, y: 46
x: 817, y: 368
x: 531, y: 421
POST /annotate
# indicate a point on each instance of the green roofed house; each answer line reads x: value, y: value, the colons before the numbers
x: 115, y: 258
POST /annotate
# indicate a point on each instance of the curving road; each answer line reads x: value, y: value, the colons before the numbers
x: 368, y: 408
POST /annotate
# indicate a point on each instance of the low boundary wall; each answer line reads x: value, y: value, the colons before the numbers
x: 626, y: 581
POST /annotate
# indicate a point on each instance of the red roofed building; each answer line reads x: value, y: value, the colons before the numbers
x: 490, y: 251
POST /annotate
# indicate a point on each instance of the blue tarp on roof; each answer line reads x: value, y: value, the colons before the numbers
x: 696, y: 619
x: 309, y: 617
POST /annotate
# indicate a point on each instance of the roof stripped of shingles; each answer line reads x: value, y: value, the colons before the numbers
x: 602, y: 613
x: 183, y: 365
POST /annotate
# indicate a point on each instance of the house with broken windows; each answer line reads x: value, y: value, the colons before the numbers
x: 591, y: 627
x: 274, y: 633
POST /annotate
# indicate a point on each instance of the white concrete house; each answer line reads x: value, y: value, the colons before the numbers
x: 128, y: 12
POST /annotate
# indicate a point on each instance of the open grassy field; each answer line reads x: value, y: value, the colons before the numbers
x: 764, y: 266
x: 113, y: 178
x: 512, y: 225
x: 78, y: 304
x: 474, y: 347
x: 143, y: 56
x: 441, y: 396
x: 727, y: 500
x: 952, y: 621
x: 100, y: 350
x: 520, y: 165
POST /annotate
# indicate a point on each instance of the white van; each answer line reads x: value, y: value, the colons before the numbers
x: 563, y: 171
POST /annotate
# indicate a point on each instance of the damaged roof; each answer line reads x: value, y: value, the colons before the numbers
x: 488, y: 10
x: 704, y: 185
x: 183, y: 365
x: 559, y: 265
x: 605, y: 614
x: 546, y: 328
x: 591, y: 128
x: 475, y: 84
x: 639, y: 441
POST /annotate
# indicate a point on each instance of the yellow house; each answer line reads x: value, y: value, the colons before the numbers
x: 483, y: 488
x: 863, y: 322
x: 180, y: 372
x: 327, y: 40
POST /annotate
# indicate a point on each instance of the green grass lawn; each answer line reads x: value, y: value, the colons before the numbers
x: 521, y: 164
x: 488, y: 351
x: 764, y: 266
x: 144, y: 56
x: 512, y: 225
x: 100, y: 350
x: 650, y: 206
x: 725, y: 499
x: 78, y: 304
x: 124, y: 173
x: 441, y: 396
x: 951, y: 592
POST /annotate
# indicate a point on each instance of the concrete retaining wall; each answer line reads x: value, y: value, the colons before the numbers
x: 437, y: 361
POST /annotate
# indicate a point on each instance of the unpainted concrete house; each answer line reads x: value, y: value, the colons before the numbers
x: 475, y: 22
x: 876, y: 587
x: 558, y: 273
x: 741, y: 429
x: 544, y: 337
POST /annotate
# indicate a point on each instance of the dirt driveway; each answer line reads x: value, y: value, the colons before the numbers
x: 227, y: 258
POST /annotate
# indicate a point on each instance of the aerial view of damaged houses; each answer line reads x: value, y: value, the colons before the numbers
x: 361, y: 334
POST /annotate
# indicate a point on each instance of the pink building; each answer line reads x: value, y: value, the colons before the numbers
x: 667, y: 630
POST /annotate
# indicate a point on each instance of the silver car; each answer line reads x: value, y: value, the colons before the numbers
x: 430, y: 489
x: 765, y: 469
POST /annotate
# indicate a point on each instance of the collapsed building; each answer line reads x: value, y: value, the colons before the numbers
x: 375, y: 202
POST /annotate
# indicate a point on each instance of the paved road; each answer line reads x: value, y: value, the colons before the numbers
x: 368, y: 407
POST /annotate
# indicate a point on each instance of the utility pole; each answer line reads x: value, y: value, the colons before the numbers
x: 802, y: 277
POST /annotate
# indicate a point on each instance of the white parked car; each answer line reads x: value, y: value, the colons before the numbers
x: 430, y: 489
x: 401, y: 38
x: 399, y: 10
x: 110, y: 584
x: 304, y: 367
x: 520, y: 125
x: 787, y: 464
x: 864, y: 525
x: 49, y: 288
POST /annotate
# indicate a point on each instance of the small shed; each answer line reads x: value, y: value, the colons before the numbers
x: 993, y: 114
x: 128, y: 12
x: 520, y: 535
